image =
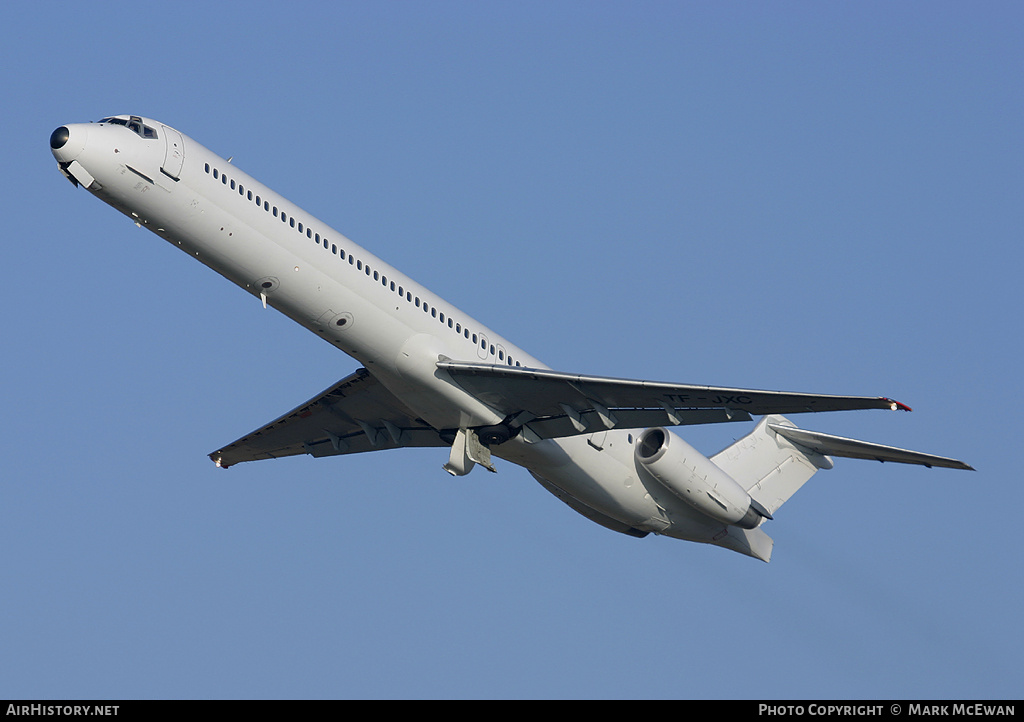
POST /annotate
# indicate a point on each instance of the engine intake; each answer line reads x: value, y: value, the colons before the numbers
x: 696, y: 479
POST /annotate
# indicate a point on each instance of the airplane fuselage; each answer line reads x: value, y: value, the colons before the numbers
x: 296, y: 263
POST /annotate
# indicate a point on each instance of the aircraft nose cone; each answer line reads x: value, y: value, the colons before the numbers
x: 68, y: 141
x: 59, y: 138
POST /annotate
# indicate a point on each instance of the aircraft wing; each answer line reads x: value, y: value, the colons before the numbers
x: 551, y: 404
x: 354, y: 415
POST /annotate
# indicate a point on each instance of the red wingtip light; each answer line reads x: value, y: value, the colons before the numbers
x: 897, y: 406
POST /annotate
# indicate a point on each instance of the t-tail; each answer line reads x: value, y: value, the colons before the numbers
x: 745, y: 484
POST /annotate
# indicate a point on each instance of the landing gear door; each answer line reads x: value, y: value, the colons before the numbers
x: 174, y: 153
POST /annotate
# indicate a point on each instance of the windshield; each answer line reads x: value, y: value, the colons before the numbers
x: 133, y: 123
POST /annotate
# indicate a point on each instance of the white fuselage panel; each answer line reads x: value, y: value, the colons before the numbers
x: 396, y: 328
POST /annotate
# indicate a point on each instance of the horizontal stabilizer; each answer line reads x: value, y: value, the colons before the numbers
x: 854, y: 449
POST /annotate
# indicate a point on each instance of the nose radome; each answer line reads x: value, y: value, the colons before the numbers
x: 59, y: 138
x: 68, y: 141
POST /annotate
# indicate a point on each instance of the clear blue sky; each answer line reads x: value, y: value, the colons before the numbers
x: 819, y: 197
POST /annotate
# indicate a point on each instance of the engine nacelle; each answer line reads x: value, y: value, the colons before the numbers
x: 696, y: 479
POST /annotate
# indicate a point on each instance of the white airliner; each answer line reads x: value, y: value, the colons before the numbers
x: 434, y: 376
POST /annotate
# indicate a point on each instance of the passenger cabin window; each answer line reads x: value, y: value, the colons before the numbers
x: 304, y: 228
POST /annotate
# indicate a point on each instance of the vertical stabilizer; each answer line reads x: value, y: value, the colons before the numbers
x: 768, y: 465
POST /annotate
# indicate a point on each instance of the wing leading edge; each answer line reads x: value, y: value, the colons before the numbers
x: 551, y: 404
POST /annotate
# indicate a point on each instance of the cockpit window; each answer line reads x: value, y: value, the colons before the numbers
x: 134, y: 124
